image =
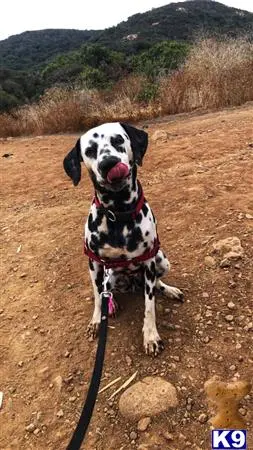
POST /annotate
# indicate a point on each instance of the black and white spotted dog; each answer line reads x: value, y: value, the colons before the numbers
x: 120, y: 233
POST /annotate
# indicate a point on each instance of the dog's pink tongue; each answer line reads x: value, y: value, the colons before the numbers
x: 120, y: 170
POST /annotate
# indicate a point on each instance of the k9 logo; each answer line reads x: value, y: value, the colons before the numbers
x: 229, y: 439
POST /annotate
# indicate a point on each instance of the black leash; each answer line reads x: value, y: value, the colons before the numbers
x: 81, y: 428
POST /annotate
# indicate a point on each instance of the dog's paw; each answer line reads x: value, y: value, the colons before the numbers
x: 92, y: 330
x: 154, y: 347
x: 178, y: 295
x: 152, y: 342
x: 171, y: 292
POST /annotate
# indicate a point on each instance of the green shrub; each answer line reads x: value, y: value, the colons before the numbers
x: 161, y: 58
x: 7, y: 101
x: 148, y: 92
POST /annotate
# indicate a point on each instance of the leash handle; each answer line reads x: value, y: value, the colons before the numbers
x: 84, y: 420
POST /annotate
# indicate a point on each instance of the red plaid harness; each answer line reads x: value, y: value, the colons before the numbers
x: 114, y: 216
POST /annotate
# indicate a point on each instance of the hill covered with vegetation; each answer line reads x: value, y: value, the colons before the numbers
x: 31, y: 49
x: 151, y: 43
x: 176, y: 21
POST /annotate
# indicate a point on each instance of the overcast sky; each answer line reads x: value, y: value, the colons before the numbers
x: 17, y: 16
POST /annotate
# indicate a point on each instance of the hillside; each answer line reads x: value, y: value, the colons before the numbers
x: 33, y: 48
x: 148, y: 44
x: 176, y: 21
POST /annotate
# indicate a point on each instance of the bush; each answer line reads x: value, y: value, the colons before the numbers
x: 7, y: 101
x: 161, y: 58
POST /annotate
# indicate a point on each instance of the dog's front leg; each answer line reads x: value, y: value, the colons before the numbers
x: 152, y: 342
x: 97, y: 278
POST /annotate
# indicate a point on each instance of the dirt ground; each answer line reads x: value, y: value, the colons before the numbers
x: 199, y: 183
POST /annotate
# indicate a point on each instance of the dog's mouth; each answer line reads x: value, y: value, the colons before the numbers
x: 117, y: 177
x: 117, y: 173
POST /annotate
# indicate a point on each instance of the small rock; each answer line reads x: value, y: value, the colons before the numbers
x: 133, y: 436
x: 20, y: 364
x: 58, y: 382
x: 230, y: 305
x: 66, y: 354
x: 60, y: 413
x: 143, y: 424
x: 72, y: 399
x: 230, y: 249
x: 30, y: 428
x: 38, y: 415
x: 203, y: 418
x: 159, y: 135
x: 210, y: 261
x: 225, y: 263
x: 249, y: 326
x: 229, y: 318
x: 205, y: 295
x: 23, y: 275
x: 248, y: 216
x: 233, y: 367
x: 168, y: 436
x: 128, y: 360
x: 238, y: 346
x: 242, y: 411
x: 36, y: 431
x: 148, y: 397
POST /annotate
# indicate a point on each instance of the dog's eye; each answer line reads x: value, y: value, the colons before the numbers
x: 117, y: 140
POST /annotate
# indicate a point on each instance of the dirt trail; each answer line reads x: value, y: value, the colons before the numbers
x: 199, y: 184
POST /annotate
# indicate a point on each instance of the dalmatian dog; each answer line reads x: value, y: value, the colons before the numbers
x: 121, y: 238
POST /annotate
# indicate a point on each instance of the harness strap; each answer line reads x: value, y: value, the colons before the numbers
x: 112, y: 263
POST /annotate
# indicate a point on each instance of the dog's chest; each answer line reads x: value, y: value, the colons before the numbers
x: 120, y: 239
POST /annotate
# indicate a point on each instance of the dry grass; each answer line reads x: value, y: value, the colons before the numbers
x: 216, y: 74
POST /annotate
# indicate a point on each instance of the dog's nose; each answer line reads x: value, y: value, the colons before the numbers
x: 107, y: 164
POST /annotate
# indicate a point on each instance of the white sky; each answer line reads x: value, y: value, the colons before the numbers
x: 17, y: 16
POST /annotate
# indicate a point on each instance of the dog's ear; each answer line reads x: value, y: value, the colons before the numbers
x: 72, y: 163
x: 139, y: 141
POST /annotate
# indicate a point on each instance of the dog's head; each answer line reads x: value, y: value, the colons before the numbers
x: 110, y: 152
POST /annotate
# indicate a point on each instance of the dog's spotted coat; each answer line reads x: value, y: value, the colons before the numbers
x: 101, y: 149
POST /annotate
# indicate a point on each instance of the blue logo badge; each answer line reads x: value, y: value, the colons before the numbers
x: 229, y: 439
